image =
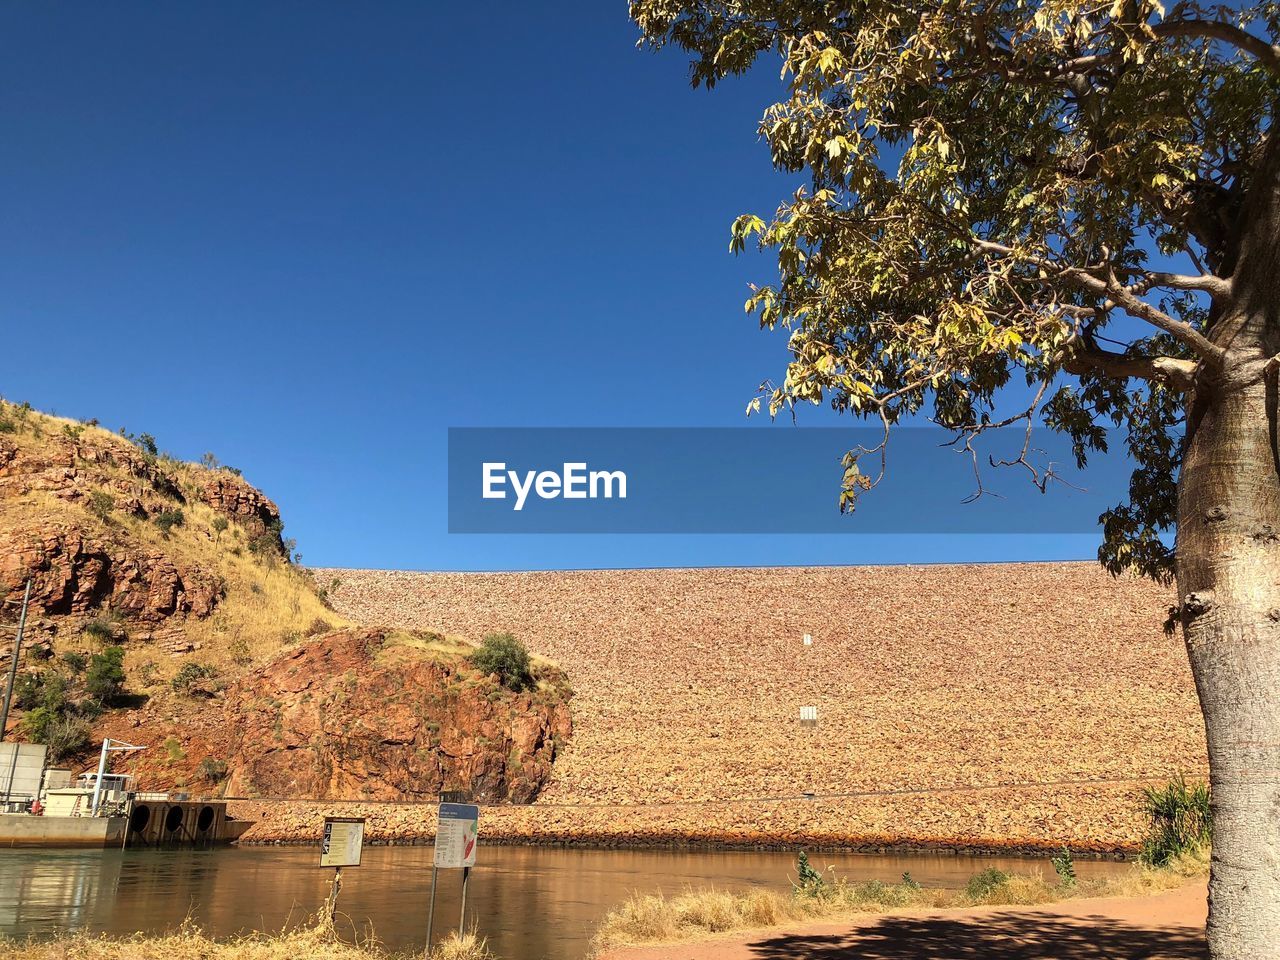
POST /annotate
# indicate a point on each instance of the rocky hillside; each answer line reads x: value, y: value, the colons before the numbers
x: 165, y: 610
x: 121, y: 542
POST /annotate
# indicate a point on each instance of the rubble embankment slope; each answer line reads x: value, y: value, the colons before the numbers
x: 1012, y: 706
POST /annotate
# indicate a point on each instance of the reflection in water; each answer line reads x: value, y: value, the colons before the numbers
x: 532, y: 903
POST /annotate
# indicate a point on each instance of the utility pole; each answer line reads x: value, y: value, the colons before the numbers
x: 13, y: 667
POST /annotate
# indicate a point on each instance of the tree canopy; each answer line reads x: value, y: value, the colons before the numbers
x: 1048, y: 196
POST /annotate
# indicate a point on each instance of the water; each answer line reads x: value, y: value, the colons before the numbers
x: 532, y: 903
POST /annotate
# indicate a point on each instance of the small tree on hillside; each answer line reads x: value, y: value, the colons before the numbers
x: 101, y: 504
x: 989, y: 183
x: 104, y: 678
x: 503, y: 654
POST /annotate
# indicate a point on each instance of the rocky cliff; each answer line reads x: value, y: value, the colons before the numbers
x: 383, y: 716
x: 237, y: 675
x: 107, y: 528
x: 358, y: 715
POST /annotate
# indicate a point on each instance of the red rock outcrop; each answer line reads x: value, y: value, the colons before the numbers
x: 74, y: 573
x: 231, y: 496
x: 70, y: 466
x: 352, y: 715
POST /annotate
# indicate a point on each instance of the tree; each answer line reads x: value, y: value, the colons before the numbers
x: 504, y: 655
x: 1067, y: 214
x: 101, y: 504
x: 105, y: 676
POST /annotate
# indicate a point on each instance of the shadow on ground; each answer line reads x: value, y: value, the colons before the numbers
x: 998, y: 937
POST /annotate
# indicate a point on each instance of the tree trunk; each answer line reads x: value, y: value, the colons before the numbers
x: 1228, y: 546
x: 1228, y: 571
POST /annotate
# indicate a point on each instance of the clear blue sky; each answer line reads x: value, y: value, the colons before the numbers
x: 310, y: 237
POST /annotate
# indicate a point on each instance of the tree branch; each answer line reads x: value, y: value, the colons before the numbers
x: 1208, y: 283
x: 1176, y: 372
x: 1238, y: 37
x: 1121, y: 296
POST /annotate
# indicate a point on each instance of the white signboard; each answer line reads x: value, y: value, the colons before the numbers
x: 343, y: 840
x: 457, y: 835
x: 809, y: 716
x: 21, y: 769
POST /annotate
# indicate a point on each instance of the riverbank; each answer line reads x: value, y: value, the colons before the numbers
x: 1165, y: 926
x: 825, y: 896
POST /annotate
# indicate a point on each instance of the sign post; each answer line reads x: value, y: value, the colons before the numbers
x: 341, y: 847
x: 457, y: 836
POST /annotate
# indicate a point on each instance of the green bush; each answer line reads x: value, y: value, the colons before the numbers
x: 215, y: 771
x: 809, y: 882
x: 75, y: 662
x: 503, y: 654
x: 101, y: 629
x: 192, y: 673
x: 166, y: 520
x: 1065, y: 867
x: 1179, y: 821
x: 984, y: 883
x: 64, y: 734
x: 101, y: 504
x: 28, y: 690
x: 43, y: 689
x: 105, y: 676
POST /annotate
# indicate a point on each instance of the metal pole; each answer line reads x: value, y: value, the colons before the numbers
x: 333, y: 896
x: 13, y: 770
x: 462, y: 916
x: 102, y: 770
x: 431, y: 911
x: 13, y: 667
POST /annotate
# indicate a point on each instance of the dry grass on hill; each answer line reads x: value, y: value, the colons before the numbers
x: 979, y: 705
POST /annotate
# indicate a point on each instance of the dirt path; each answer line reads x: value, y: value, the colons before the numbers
x: 1169, y: 926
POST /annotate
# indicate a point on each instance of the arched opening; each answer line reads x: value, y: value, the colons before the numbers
x: 139, y: 818
x: 204, y: 820
x: 173, y: 819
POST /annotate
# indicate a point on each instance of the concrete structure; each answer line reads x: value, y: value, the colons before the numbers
x: 24, y: 830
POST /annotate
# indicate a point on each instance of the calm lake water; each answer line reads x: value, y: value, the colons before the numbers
x: 532, y: 903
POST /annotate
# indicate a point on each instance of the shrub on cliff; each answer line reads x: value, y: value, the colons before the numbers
x: 105, y: 676
x: 503, y: 654
x: 166, y: 520
x: 101, y: 504
x: 63, y: 733
x: 191, y: 674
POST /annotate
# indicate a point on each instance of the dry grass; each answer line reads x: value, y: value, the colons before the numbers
x: 316, y: 942
x: 696, y: 914
x: 466, y: 946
